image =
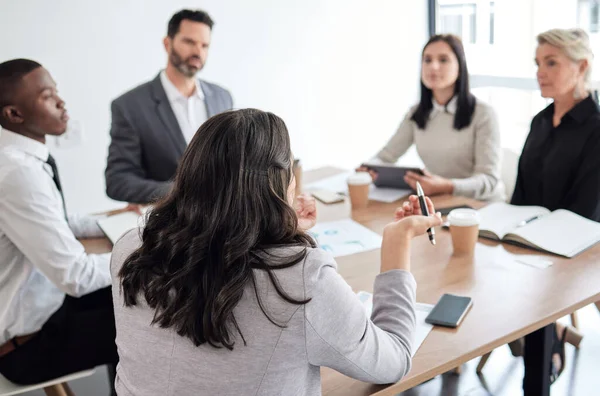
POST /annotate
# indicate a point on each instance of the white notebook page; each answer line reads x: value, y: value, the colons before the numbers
x: 561, y: 232
x: 502, y: 218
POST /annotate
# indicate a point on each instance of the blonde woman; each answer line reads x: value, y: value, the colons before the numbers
x: 560, y: 164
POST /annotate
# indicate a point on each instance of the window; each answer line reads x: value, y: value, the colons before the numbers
x: 472, y: 21
x: 459, y: 19
x: 499, y: 37
x: 595, y: 16
x: 492, y: 22
x: 588, y: 16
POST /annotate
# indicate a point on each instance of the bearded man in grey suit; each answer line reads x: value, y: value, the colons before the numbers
x: 153, y: 123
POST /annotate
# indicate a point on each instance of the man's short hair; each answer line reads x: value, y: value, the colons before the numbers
x: 11, y: 73
x: 192, y: 15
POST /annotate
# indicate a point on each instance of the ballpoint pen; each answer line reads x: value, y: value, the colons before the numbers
x: 525, y: 222
x: 430, y: 231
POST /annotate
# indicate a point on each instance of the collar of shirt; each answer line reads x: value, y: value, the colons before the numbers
x: 29, y: 146
x: 449, y: 108
x: 173, y: 93
x: 579, y: 113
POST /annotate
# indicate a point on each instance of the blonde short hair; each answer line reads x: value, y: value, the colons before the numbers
x: 574, y: 43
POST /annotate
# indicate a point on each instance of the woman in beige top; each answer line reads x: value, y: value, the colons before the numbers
x: 455, y: 134
x: 224, y: 293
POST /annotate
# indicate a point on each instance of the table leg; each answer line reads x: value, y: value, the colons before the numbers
x: 538, y: 353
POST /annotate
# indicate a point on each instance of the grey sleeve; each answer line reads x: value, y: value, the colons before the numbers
x: 400, y: 142
x: 340, y: 335
x: 486, y: 173
x: 125, y: 175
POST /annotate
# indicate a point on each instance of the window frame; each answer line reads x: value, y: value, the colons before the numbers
x: 432, y: 16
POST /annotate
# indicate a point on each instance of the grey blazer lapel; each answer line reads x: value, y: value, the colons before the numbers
x: 210, y: 100
x: 166, y: 115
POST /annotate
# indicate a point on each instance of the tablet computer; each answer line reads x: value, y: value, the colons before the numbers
x: 391, y: 176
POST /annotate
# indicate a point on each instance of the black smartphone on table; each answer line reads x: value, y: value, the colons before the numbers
x: 449, y: 311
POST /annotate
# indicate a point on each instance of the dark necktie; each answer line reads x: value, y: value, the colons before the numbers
x: 52, y: 162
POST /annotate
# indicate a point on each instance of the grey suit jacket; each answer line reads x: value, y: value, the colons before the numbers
x: 147, y: 142
x: 331, y: 330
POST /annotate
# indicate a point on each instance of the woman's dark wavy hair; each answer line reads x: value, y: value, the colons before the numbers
x: 201, y: 243
x: 465, y: 100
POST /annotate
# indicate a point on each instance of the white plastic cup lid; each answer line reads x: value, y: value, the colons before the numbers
x: 464, y: 217
x: 360, y: 178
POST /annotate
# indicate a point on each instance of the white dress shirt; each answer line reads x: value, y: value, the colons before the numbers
x: 190, y: 112
x: 449, y: 108
x: 40, y: 257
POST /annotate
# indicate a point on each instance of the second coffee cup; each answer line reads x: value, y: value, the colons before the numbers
x: 358, y: 189
x: 464, y: 228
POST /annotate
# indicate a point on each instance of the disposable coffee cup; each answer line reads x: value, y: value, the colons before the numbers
x: 464, y: 228
x: 358, y: 189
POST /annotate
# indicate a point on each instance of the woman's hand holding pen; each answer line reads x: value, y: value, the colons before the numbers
x: 409, y: 223
x: 411, y: 211
x: 432, y: 184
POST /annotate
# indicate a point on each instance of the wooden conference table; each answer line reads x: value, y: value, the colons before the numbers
x: 510, y: 299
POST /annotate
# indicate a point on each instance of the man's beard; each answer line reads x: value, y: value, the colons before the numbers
x: 182, y: 65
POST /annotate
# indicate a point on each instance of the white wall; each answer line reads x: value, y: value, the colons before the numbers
x: 341, y: 73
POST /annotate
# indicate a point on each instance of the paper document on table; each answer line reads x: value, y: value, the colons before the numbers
x: 338, y: 184
x: 537, y: 262
x: 421, y: 311
x: 423, y: 329
x: 345, y: 237
x: 114, y: 227
x: 387, y: 195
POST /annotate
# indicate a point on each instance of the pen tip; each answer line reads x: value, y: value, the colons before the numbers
x: 433, y: 242
x: 419, y: 189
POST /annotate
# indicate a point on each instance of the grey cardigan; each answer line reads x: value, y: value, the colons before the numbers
x: 331, y: 330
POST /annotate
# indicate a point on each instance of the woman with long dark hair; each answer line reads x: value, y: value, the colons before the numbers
x: 224, y: 293
x: 456, y: 135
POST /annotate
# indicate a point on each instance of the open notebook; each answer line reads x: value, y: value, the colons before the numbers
x: 560, y: 232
